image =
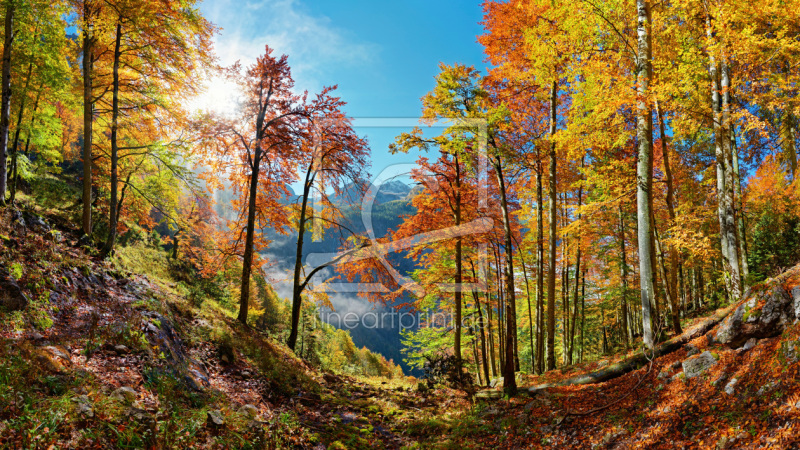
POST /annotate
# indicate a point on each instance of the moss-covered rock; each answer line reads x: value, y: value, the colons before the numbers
x: 696, y: 365
x: 765, y: 312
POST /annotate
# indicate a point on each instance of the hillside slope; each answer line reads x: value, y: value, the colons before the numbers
x: 735, y: 386
x: 97, y: 357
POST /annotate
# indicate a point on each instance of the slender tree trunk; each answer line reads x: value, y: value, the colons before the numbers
x: 644, y: 169
x: 583, y: 314
x: 577, y: 274
x: 530, y: 309
x: 509, y: 383
x: 671, y: 275
x: 122, y: 195
x: 482, y: 326
x: 5, y: 97
x: 742, y: 231
x: 15, y: 172
x: 175, y: 243
x: 88, y: 118
x: 551, y: 274
x: 691, y: 288
x: 459, y: 269
x: 17, y: 130
x: 603, y: 326
x: 730, y: 228
x: 673, y: 305
x: 627, y: 335
x: 112, y: 216
x: 540, y: 325
x: 475, y: 356
x: 247, y: 264
x: 565, y: 263
x: 493, y: 356
x: 701, y: 284
x: 501, y: 314
x: 297, y: 285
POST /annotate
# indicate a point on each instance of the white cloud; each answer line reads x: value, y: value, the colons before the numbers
x: 314, y: 44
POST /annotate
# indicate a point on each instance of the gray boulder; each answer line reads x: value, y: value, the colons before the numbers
x: 796, y: 300
x: 720, y: 380
x: 250, y: 411
x: 214, y: 419
x: 767, y: 388
x: 696, y: 365
x: 730, y: 388
x: 749, y: 344
x: 126, y: 395
x: 763, y: 314
x: 789, y: 352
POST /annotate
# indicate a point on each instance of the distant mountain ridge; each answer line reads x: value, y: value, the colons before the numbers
x: 392, y: 202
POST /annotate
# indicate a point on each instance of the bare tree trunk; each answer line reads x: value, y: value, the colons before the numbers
x: 18, y: 128
x: 88, y: 118
x: 511, y: 360
x: 701, y: 284
x: 459, y: 269
x: 493, y: 356
x: 671, y: 275
x: 583, y: 314
x: 297, y: 284
x: 475, y: 355
x: 551, y: 274
x: 482, y: 326
x: 672, y: 303
x: 718, y: 73
x: 530, y: 309
x: 564, y: 298
x: 644, y: 168
x: 112, y: 216
x: 604, y: 349
x: 739, y: 207
x: 730, y: 213
x: 540, y: 325
x: 577, y: 274
x: 5, y: 97
x: 627, y: 334
x: 501, y: 314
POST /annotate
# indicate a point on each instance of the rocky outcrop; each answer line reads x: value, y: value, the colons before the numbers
x: 35, y: 222
x: 24, y: 221
x: 765, y: 312
x: 11, y: 296
x: 161, y: 334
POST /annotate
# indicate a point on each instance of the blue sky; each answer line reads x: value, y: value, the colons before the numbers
x: 382, y: 55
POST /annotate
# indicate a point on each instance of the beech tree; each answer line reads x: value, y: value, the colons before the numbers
x: 444, y: 202
x: 334, y: 160
x: 255, y: 149
x: 156, y: 48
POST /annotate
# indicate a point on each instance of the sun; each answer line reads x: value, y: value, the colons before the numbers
x: 218, y: 94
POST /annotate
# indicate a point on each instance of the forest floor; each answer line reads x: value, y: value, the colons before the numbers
x: 104, y: 357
